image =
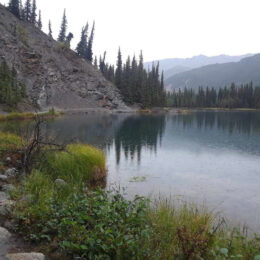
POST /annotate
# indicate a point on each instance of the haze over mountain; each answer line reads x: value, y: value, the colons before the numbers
x: 217, y: 75
x: 177, y: 65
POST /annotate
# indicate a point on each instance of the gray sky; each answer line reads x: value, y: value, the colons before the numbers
x: 162, y: 29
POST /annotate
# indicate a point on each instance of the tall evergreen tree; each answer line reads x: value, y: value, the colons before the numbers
x: 27, y: 11
x: 82, y: 45
x: 63, y: 28
x: 33, y: 14
x: 14, y: 7
x: 39, y: 23
x: 89, y: 53
x: 50, y: 29
x: 21, y: 9
x: 95, y: 62
x: 119, y: 70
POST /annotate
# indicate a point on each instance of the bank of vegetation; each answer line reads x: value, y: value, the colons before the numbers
x: 63, y: 210
x: 242, y: 96
x: 11, y: 90
x: 29, y: 115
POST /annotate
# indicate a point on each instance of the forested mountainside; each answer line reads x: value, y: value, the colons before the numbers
x: 219, y: 75
x: 50, y: 74
x: 178, y: 65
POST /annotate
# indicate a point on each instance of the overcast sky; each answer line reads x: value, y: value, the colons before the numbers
x: 161, y: 28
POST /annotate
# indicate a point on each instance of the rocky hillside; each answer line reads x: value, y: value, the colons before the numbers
x: 54, y: 76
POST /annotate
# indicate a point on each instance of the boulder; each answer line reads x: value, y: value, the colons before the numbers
x: 5, y: 235
x: 60, y: 182
x: 6, y: 207
x: 3, y: 196
x: 11, y: 172
x: 3, y: 178
x: 8, y: 187
x: 26, y: 256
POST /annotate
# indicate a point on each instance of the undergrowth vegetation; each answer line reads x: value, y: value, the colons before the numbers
x: 62, y: 210
x: 28, y: 115
x: 68, y: 220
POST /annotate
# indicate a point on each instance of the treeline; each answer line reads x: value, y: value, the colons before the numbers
x: 243, y: 96
x: 11, y: 91
x: 135, y: 83
x: 28, y: 13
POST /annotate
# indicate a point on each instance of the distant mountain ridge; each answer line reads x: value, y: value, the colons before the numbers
x: 174, y: 66
x: 218, y: 75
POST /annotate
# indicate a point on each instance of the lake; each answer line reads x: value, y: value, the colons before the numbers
x: 210, y: 158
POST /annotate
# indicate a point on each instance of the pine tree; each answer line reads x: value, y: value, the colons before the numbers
x: 95, y: 62
x: 50, y: 30
x: 82, y: 45
x: 34, y: 15
x: 118, y: 75
x: 89, y: 52
x: 27, y: 11
x: 14, y: 7
x: 21, y: 9
x: 39, y: 23
x: 63, y: 29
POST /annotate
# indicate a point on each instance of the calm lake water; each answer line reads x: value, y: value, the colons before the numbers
x: 205, y: 157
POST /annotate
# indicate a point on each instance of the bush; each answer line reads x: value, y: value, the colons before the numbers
x: 99, y: 225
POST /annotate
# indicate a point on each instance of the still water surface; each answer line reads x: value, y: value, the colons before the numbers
x: 206, y: 157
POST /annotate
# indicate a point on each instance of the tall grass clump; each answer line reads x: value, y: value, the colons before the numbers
x: 81, y: 164
x: 185, y: 231
x: 9, y: 142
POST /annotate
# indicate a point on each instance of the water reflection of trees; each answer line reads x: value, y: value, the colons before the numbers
x: 241, y: 122
x: 137, y: 132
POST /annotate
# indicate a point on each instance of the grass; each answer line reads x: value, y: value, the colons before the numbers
x: 104, y: 225
x: 78, y: 164
x: 28, y: 115
x: 187, y: 232
x: 74, y: 220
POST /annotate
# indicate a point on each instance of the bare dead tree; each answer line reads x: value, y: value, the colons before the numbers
x: 37, y: 146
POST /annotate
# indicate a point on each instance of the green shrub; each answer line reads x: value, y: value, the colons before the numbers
x: 99, y: 225
x: 22, y: 34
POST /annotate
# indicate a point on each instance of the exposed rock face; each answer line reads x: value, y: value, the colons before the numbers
x: 54, y: 76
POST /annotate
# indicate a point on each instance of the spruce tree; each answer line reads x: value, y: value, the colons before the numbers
x: 27, y: 11
x: 14, y: 7
x: 95, y: 62
x: 118, y: 75
x: 34, y: 15
x: 50, y: 30
x: 82, y: 45
x: 39, y: 23
x: 63, y: 29
x: 21, y: 9
x: 89, y: 53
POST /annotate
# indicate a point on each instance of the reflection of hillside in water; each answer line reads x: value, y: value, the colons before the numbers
x: 137, y: 132
x: 240, y: 122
